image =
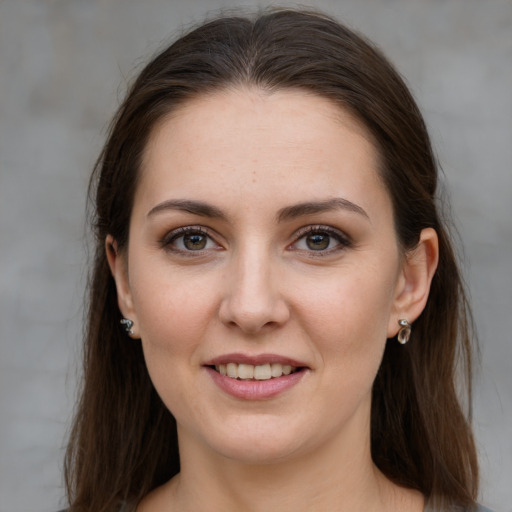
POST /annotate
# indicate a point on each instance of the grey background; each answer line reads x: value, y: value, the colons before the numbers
x: 63, y: 68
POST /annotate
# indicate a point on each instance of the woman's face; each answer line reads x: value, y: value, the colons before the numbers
x: 262, y: 245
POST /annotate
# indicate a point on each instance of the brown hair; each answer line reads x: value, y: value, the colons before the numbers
x: 123, y: 443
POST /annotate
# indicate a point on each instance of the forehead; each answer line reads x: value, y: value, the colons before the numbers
x: 251, y: 108
x: 249, y: 141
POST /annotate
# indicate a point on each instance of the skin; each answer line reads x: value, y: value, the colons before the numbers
x: 263, y: 284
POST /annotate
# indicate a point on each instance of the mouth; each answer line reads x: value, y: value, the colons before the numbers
x: 255, y: 377
x: 260, y: 372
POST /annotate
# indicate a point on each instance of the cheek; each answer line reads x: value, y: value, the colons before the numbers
x: 174, y: 318
x: 173, y: 312
x: 348, y: 318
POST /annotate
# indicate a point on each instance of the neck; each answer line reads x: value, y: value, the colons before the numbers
x: 336, y: 476
x: 285, y: 486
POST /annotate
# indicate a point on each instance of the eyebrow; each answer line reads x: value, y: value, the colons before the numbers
x: 312, y: 207
x: 186, y: 205
x: 285, y: 214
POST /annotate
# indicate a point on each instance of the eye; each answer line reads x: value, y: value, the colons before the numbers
x: 320, y: 239
x: 189, y: 239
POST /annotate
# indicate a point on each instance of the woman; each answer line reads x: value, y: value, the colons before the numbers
x: 267, y: 236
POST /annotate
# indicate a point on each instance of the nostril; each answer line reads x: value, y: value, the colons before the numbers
x: 253, y: 317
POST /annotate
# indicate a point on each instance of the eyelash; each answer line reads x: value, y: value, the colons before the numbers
x: 171, y: 238
x: 343, y: 241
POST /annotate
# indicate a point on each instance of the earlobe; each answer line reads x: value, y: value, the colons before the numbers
x: 117, y: 264
x: 414, y: 282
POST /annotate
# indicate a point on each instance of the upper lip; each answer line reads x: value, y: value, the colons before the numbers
x: 255, y: 360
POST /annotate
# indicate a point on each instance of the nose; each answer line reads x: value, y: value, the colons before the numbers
x: 252, y: 300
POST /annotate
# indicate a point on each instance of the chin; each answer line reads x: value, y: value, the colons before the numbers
x: 258, y: 442
x: 250, y: 453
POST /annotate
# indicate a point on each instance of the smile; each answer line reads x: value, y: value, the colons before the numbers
x: 255, y: 372
x: 255, y: 377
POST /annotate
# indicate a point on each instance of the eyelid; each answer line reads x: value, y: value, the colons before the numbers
x: 167, y: 240
x: 343, y: 239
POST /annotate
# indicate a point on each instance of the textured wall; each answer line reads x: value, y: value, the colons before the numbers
x: 63, y: 67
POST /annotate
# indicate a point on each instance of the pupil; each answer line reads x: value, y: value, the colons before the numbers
x: 318, y: 242
x: 194, y: 242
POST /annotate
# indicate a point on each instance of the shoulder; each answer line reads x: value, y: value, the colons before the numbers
x: 478, y: 508
x: 124, y: 508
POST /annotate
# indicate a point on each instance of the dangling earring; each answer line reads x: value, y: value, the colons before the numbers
x: 404, y: 334
x: 127, y: 324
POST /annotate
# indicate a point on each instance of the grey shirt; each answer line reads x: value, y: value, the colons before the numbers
x: 131, y: 508
x: 428, y: 508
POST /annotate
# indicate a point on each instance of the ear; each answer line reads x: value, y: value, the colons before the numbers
x: 119, y: 269
x: 413, y: 285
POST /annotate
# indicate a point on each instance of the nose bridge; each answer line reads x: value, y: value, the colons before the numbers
x: 252, y: 297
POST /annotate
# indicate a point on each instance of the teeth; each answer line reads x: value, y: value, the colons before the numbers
x: 262, y: 372
x: 276, y: 369
x: 246, y: 371
x: 232, y: 370
x: 259, y: 372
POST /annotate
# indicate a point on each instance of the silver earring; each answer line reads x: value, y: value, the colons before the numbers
x: 404, y: 334
x: 127, y: 324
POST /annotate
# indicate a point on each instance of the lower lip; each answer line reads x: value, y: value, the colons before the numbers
x: 255, y: 389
